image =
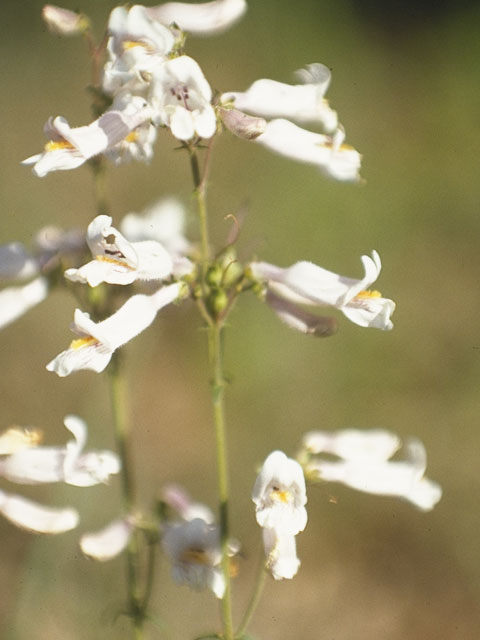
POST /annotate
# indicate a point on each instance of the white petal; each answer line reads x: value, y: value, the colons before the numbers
x: 15, y: 301
x: 281, y: 554
x: 16, y: 262
x: 353, y: 444
x: 206, y: 18
x: 285, y: 138
x: 35, y: 517
x: 297, y: 318
x: 108, y: 542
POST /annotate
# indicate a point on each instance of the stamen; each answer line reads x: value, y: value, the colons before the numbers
x: 281, y: 496
x: 132, y: 137
x: 53, y: 145
x: 368, y: 294
x: 79, y: 343
x: 131, y: 44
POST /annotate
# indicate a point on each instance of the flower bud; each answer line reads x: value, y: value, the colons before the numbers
x: 241, y: 125
x: 214, y: 275
x: 64, y: 22
x: 218, y: 301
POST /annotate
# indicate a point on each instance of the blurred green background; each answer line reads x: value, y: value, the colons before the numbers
x: 405, y: 84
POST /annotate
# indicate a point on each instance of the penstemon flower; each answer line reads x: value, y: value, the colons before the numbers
x: 364, y: 464
x: 302, y: 103
x: 203, y: 19
x: 279, y: 495
x: 98, y: 340
x: 40, y: 465
x: 193, y: 547
x: 181, y: 98
x: 69, y: 148
x: 308, y: 284
x: 118, y: 261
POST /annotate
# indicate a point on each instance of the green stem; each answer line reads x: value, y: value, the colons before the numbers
x: 255, y: 598
x: 200, y: 195
x: 119, y: 394
x: 218, y: 390
x: 100, y: 184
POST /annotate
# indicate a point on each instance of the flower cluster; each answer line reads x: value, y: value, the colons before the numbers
x: 149, y: 82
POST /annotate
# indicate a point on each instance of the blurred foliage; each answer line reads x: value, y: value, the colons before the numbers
x: 405, y: 84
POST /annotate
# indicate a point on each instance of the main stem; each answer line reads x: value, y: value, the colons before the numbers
x: 118, y: 394
x: 215, y: 352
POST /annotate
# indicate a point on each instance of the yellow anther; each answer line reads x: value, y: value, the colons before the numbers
x: 281, y: 496
x: 131, y: 44
x: 368, y: 294
x: 195, y: 556
x: 53, y: 145
x: 132, y: 137
x: 83, y: 342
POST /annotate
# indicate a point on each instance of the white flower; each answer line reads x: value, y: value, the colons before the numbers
x: 137, y: 44
x: 281, y: 554
x: 109, y: 542
x: 35, y: 517
x: 181, y: 97
x: 302, y: 102
x: 194, y: 549
x: 206, y: 18
x: 98, y: 340
x: 16, y: 262
x: 299, y: 319
x: 15, y: 301
x: 118, y: 261
x: 69, y: 147
x: 328, y: 153
x: 364, y: 464
x: 307, y: 283
x: 39, y: 465
x: 279, y: 495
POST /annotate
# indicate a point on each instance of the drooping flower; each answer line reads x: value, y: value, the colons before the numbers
x: 67, y: 463
x: 193, y: 546
x: 98, y: 340
x: 281, y: 554
x: 109, y: 542
x: 118, y: 261
x: 69, y: 148
x: 35, y: 517
x: 308, y: 284
x: 364, y: 463
x: 280, y: 496
x: 181, y: 98
x: 301, y: 103
x: 329, y: 153
x: 207, y: 18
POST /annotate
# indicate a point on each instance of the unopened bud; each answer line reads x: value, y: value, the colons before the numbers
x: 214, y: 275
x: 241, y: 125
x: 64, y: 22
x: 218, y: 301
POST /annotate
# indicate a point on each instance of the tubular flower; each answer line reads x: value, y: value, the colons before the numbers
x: 69, y: 147
x: 194, y: 549
x: 204, y: 19
x: 118, y: 261
x: 35, y: 517
x: 306, y: 283
x: 41, y: 465
x: 302, y: 103
x: 137, y: 44
x: 279, y: 495
x: 364, y: 464
x: 181, y: 97
x: 98, y: 340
